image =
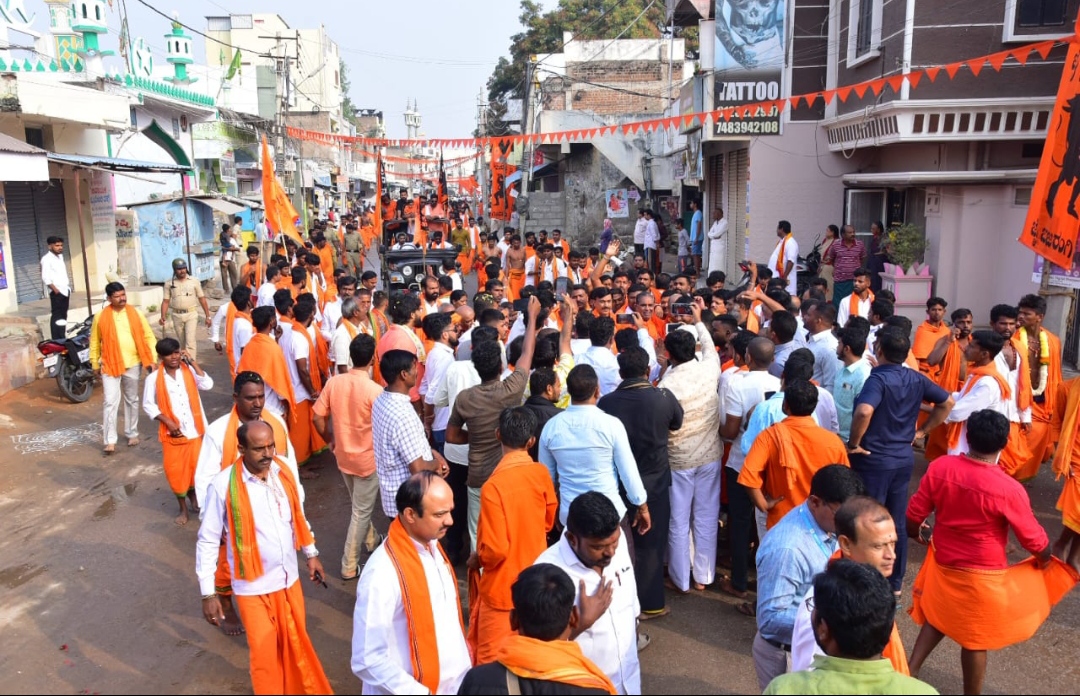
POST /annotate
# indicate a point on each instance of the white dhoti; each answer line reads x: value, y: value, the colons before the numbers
x: 695, y: 507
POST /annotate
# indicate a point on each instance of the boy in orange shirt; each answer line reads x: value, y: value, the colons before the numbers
x: 517, y: 510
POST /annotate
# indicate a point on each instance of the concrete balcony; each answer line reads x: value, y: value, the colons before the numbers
x: 941, y: 121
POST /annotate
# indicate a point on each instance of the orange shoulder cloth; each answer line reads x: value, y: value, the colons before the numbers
x: 263, y: 355
x: 242, y: 521
x: 164, y: 403
x: 557, y: 660
x: 112, y: 362
x: 974, y: 373
x: 229, y: 449
x: 416, y: 598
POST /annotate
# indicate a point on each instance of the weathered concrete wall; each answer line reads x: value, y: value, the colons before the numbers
x: 589, y: 175
x: 546, y: 212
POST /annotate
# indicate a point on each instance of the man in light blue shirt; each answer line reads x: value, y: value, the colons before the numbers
x: 599, y: 355
x: 790, y: 555
x: 819, y: 317
x: 851, y: 377
x: 585, y: 450
x: 800, y: 366
x: 697, y: 237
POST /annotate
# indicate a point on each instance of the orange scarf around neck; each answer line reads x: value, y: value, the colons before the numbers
x: 245, y: 547
x: 112, y: 362
x: 315, y: 359
x: 165, y: 403
x: 780, y: 256
x: 263, y: 355
x: 552, y: 660
x: 416, y: 597
x: 974, y: 374
x: 853, y: 303
x: 248, y: 270
x: 230, y: 321
x: 1023, y: 377
x: 229, y: 448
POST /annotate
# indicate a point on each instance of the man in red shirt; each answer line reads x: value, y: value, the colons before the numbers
x: 349, y: 398
x: 966, y: 588
x: 846, y: 256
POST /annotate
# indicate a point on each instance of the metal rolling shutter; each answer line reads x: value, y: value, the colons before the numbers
x: 737, y: 179
x: 26, y: 252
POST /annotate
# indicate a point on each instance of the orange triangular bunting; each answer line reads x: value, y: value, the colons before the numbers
x: 952, y: 68
x: 1021, y: 54
x: 828, y: 95
x: 843, y: 93
x: 914, y: 78
x: 860, y: 89
x: 998, y: 59
x: 932, y: 73
x: 1043, y: 48
x: 794, y: 101
x: 896, y: 82
x: 976, y: 65
x: 877, y: 86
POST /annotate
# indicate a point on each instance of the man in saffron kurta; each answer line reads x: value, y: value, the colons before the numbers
x: 517, y: 510
x: 120, y: 343
x: 785, y: 456
x: 1042, y: 351
x: 1067, y: 464
x: 257, y: 500
x: 171, y: 397
x: 264, y: 357
x: 928, y: 334
x: 408, y: 632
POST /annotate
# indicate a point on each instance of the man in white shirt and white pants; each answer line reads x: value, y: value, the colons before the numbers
x: 54, y: 277
x: 718, y: 242
x: 594, y: 553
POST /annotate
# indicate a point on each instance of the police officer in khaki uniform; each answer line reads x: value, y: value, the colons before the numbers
x: 354, y: 251
x: 183, y: 295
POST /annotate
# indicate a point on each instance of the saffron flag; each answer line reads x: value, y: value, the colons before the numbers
x: 281, y: 216
x: 377, y: 213
x: 1052, y: 223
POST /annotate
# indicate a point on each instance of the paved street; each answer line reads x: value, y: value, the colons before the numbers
x: 98, y: 590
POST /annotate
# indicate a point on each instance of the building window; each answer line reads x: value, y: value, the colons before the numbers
x: 1040, y: 13
x: 1022, y: 196
x: 863, y: 208
x: 1026, y: 20
x: 864, y: 31
x: 35, y: 137
x: 218, y: 24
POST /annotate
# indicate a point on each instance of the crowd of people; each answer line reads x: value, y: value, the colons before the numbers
x: 575, y: 437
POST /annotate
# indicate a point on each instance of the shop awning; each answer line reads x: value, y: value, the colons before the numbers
x: 115, y: 164
x: 20, y: 161
x: 222, y: 206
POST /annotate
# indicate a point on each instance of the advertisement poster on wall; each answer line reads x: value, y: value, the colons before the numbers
x: 751, y: 37
x: 3, y: 274
x: 1059, y: 277
x: 618, y: 205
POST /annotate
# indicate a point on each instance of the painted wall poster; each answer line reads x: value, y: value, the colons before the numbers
x: 618, y: 205
x: 3, y: 265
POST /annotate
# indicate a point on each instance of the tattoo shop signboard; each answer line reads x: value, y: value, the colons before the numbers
x: 749, y: 63
x: 1053, y: 221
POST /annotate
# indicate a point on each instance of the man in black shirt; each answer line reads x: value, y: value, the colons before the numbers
x: 543, y: 393
x: 649, y: 415
x: 541, y: 658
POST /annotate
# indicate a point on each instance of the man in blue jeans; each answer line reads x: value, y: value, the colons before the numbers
x: 697, y: 236
x: 884, y: 426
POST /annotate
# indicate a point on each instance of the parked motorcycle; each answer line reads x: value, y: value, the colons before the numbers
x: 68, y: 360
x: 808, y: 266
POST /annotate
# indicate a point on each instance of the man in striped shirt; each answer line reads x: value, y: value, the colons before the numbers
x: 846, y: 257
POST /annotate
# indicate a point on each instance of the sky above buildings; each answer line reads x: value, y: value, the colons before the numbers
x: 438, y: 52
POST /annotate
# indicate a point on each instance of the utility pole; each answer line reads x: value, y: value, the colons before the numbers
x: 283, y: 69
x: 481, y: 171
x: 527, y: 115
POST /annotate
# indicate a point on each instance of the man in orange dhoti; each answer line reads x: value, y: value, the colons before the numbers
x: 517, y: 510
x: 514, y: 263
x: 947, y: 357
x: 171, y: 397
x: 1067, y: 464
x: 257, y: 500
x: 866, y: 534
x: 219, y: 450
x: 1042, y: 351
x: 264, y: 357
x: 306, y: 362
x: 966, y: 589
x: 928, y: 334
x: 541, y: 648
x: 408, y: 631
x: 784, y: 457
x: 1013, y: 366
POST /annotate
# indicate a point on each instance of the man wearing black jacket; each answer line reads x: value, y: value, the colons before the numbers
x: 649, y: 415
x: 543, y: 393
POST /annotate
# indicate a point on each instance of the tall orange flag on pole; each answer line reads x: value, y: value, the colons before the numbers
x: 281, y: 216
x: 1053, y: 221
x: 376, y: 216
